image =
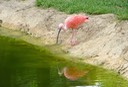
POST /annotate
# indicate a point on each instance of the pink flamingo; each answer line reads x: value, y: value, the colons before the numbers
x: 73, y: 22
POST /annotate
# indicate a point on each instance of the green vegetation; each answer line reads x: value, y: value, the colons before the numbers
x: 118, y: 7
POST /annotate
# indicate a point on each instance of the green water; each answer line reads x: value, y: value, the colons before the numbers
x: 26, y: 65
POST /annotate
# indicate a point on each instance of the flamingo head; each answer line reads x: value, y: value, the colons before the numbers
x: 60, y: 27
x: 86, y: 18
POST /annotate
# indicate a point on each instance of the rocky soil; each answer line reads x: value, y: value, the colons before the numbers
x: 103, y: 39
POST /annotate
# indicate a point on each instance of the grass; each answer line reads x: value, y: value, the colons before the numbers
x: 117, y: 7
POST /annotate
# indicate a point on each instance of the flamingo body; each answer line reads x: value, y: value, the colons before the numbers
x: 73, y: 22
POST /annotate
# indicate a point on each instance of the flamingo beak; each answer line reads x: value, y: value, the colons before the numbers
x: 58, y: 35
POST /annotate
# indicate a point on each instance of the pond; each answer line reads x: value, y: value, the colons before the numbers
x: 25, y: 65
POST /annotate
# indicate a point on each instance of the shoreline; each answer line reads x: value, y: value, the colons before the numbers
x: 103, y: 40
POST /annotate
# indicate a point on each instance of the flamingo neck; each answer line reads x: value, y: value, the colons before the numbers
x: 62, y: 26
x: 65, y: 27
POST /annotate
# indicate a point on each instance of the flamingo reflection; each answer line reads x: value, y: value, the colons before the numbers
x: 71, y: 73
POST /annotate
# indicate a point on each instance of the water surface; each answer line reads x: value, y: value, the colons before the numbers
x: 25, y: 65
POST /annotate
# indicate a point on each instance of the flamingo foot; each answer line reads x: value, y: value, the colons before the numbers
x: 74, y: 42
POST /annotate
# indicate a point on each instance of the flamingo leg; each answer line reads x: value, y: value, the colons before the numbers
x: 73, y: 37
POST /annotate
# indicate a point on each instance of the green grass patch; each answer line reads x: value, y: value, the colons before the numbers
x: 118, y: 7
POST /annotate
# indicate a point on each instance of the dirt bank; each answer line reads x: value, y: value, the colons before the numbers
x: 103, y: 40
